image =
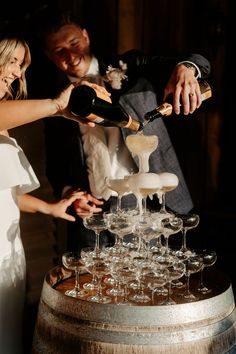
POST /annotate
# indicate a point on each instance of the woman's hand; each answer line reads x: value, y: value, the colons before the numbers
x: 59, y: 209
x: 62, y: 101
x: 87, y: 206
x: 83, y: 203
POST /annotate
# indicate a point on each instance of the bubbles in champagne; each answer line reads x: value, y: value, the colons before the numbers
x: 144, y: 184
x: 119, y: 185
x: 169, y: 181
x: 149, y: 180
x: 142, y: 146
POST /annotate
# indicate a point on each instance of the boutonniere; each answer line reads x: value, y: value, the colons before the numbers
x: 114, y: 76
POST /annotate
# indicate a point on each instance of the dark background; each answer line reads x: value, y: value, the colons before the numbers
x: 167, y: 27
x: 204, y: 142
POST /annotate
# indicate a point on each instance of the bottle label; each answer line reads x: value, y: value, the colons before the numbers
x: 133, y: 124
x: 206, y: 95
x: 95, y: 119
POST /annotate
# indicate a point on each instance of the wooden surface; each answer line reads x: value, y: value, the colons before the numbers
x: 214, y: 279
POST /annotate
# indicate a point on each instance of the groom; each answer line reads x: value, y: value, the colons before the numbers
x: 77, y: 155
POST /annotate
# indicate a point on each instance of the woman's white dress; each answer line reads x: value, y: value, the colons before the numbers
x: 16, y: 178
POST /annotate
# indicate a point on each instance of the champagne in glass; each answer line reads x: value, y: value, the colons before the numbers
x: 169, y: 182
x: 120, y: 186
x: 143, y: 185
x: 142, y: 146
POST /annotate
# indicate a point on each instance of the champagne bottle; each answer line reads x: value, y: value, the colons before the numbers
x: 89, y: 104
x: 165, y: 109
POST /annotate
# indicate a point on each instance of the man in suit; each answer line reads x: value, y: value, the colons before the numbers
x: 143, y: 83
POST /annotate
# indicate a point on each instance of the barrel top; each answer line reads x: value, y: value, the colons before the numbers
x: 219, y: 304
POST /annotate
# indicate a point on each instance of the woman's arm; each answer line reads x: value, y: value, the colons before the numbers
x: 31, y: 204
x: 19, y: 112
x: 16, y: 113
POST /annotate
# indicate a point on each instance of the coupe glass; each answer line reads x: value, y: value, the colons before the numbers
x: 126, y: 274
x: 116, y: 290
x: 142, y: 146
x: 142, y: 267
x: 147, y: 230
x: 120, y: 225
x: 175, y: 271
x: 190, y: 221
x: 169, y: 182
x: 156, y: 279
x: 97, y: 223
x: 170, y: 226
x: 99, y: 267
x: 120, y: 186
x: 193, y: 265
x: 209, y: 258
x: 87, y: 252
x: 143, y: 185
x: 72, y: 261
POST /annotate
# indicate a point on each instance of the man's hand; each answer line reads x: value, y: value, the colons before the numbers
x: 87, y: 206
x: 184, y: 88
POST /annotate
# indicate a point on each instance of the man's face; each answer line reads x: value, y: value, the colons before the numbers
x: 69, y: 50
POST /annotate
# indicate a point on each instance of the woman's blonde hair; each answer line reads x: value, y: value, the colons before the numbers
x: 7, y: 47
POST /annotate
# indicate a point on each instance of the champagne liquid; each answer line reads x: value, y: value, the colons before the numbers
x: 147, y: 191
x: 143, y: 184
x: 118, y: 185
x: 142, y: 146
x: 168, y: 188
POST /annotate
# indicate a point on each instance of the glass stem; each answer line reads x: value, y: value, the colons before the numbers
x: 184, y: 239
x: 119, y: 197
x: 77, y: 286
x: 144, y: 205
x: 163, y: 203
x: 99, y: 286
x: 167, y: 245
x: 201, y: 278
x: 97, y: 248
x: 126, y: 293
x: 169, y: 290
x: 187, y: 284
x: 153, y: 296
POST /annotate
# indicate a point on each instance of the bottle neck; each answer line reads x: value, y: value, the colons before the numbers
x: 205, y: 89
x: 166, y: 109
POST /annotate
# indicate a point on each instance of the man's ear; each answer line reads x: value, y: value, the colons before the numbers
x: 86, y: 36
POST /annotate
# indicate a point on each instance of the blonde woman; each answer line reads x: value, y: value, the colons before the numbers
x: 17, y: 178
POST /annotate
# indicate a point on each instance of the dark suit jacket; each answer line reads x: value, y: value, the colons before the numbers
x: 142, y: 92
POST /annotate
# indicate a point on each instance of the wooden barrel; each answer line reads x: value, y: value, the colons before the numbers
x: 67, y: 325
